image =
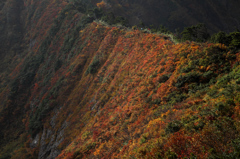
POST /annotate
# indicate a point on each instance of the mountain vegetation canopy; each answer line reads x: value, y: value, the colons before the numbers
x: 86, y: 79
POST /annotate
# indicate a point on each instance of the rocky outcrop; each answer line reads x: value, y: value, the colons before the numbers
x: 49, y: 142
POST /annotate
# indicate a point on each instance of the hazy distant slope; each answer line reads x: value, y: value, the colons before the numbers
x: 217, y: 15
x: 11, y: 29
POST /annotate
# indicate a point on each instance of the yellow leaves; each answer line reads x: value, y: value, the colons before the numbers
x: 101, y: 4
x: 193, y: 139
x: 221, y: 46
x: 97, y: 26
x: 194, y: 47
x: 96, y: 152
x: 208, y: 68
x: 104, y: 148
x: 202, y: 68
x: 85, y: 135
x: 164, y: 115
x: 119, y: 5
x: 154, y: 122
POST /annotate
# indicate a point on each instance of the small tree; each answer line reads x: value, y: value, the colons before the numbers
x: 197, y: 33
x: 221, y: 37
x: 235, y: 42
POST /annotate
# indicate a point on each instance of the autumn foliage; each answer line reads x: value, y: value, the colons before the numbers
x: 96, y: 91
x: 102, y: 5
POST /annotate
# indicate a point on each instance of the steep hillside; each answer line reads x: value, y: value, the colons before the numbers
x: 79, y: 88
x: 12, y: 30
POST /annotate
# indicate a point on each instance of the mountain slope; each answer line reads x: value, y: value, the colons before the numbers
x: 217, y: 15
x: 84, y: 89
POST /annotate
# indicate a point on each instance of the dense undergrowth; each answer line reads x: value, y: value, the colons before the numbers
x: 99, y: 91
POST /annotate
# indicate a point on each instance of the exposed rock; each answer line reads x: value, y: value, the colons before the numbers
x: 35, y: 141
x: 49, y: 150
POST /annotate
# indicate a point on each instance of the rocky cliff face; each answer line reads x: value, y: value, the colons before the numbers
x: 79, y: 88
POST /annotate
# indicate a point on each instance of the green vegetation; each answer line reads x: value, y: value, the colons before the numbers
x: 93, y: 67
x: 232, y: 39
x: 196, y: 33
x: 173, y: 127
